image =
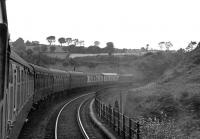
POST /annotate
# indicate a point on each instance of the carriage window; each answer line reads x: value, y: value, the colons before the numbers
x: 11, y: 74
x: 1, y: 14
x: 1, y: 122
x: 18, y: 74
x: 22, y: 75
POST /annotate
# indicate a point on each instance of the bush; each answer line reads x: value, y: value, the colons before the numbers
x: 36, y: 48
x: 29, y: 52
x: 52, y: 48
x: 43, y: 48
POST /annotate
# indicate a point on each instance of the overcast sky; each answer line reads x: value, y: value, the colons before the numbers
x: 127, y: 23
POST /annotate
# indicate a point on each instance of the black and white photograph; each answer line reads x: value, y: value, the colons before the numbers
x: 99, y: 69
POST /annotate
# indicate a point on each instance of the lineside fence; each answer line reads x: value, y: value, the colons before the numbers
x: 125, y: 127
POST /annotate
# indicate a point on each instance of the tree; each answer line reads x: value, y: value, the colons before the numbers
x: 93, y: 49
x: 168, y: 45
x: 147, y: 47
x: 52, y: 48
x: 28, y: 43
x: 51, y: 39
x: 36, y: 49
x: 68, y: 40
x: 67, y: 55
x: 20, y: 47
x: 96, y: 43
x: 190, y: 46
x: 75, y: 41
x: 81, y: 43
x: 160, y: 44
x: 29, y: 52
x: 61, y: 40
x: 35, y: 43
x: 109, y: 48
x: 142, y: 49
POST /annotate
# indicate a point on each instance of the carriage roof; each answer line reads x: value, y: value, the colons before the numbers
x: 110, y: 74
x: 15, y: 57
x: 40, y: 69
x: 58, y: 71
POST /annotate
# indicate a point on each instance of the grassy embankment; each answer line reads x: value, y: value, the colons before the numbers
x: 170, y: 104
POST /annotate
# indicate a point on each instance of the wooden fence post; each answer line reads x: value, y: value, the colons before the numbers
x: 124, y: 128
x: 110, y: 115
x: 114, y: 119
x: 118, y: 120
x: 130, y: 128
x: 138, y: 130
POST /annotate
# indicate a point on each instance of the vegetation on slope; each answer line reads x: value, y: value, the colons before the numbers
x: 170, y: 106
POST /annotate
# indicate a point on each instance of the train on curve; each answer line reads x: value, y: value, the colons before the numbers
x: 23, y: 84
x: 29, y: 84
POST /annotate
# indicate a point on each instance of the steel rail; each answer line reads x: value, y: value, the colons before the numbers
x: 84, y: 133
x: 56, y: 126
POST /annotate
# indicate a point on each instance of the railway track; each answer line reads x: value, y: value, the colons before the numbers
x: 88, y: 129
x: 66, y: 125
x: 41, y: 123
x: 73, y: 120
x: 64, y: 114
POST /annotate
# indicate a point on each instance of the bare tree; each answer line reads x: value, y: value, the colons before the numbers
x: 81, y: 43
x: 68, y: 40
x: 160, y: 44
x: 75, y: 41
x: 168, y: 45
x: 190, y: 46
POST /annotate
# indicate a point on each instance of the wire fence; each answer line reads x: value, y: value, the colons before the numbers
x: 124, y: 126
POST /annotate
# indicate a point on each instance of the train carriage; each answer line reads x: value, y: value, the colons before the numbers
x: 43, y: 82
x: 110, y: 77
x: 20, y: 92
x: 94, y: 79
x: 125, y: 78
x: 61, y: 80
x: 77, y: 79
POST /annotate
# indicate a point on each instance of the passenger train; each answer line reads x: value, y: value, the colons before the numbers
x: 24, y: 84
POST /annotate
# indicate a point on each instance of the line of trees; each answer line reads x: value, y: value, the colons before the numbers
x: 167, y: 45
x: 71, y: 48
x: 62, y: 40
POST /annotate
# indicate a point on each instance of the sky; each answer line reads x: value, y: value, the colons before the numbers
x: 127, y: 23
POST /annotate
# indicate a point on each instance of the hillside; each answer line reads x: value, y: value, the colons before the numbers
x: 173, y: 98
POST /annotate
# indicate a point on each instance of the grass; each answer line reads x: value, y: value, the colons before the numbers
x: 169, y: 105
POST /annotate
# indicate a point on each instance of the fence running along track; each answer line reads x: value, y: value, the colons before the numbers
x: 123, y: 125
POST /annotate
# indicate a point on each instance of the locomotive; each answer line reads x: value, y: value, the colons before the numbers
x: 23, y: 84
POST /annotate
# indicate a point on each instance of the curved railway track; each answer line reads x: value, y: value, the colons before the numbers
x: 88, y: 128
x: 74, y: 121
x: 41, y: 123
x: 66, y: 125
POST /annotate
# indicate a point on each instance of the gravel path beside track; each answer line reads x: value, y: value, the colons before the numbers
x: 92, y: 131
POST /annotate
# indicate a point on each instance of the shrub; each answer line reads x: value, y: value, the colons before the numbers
x: 36, y: 48
x: 52, y: 48
x: 43, y: 48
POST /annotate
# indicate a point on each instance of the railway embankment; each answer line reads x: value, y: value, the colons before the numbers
x: 170, y: 103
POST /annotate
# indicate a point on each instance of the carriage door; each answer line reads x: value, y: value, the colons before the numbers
x: 15, y: 91
x: 10, y: 93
